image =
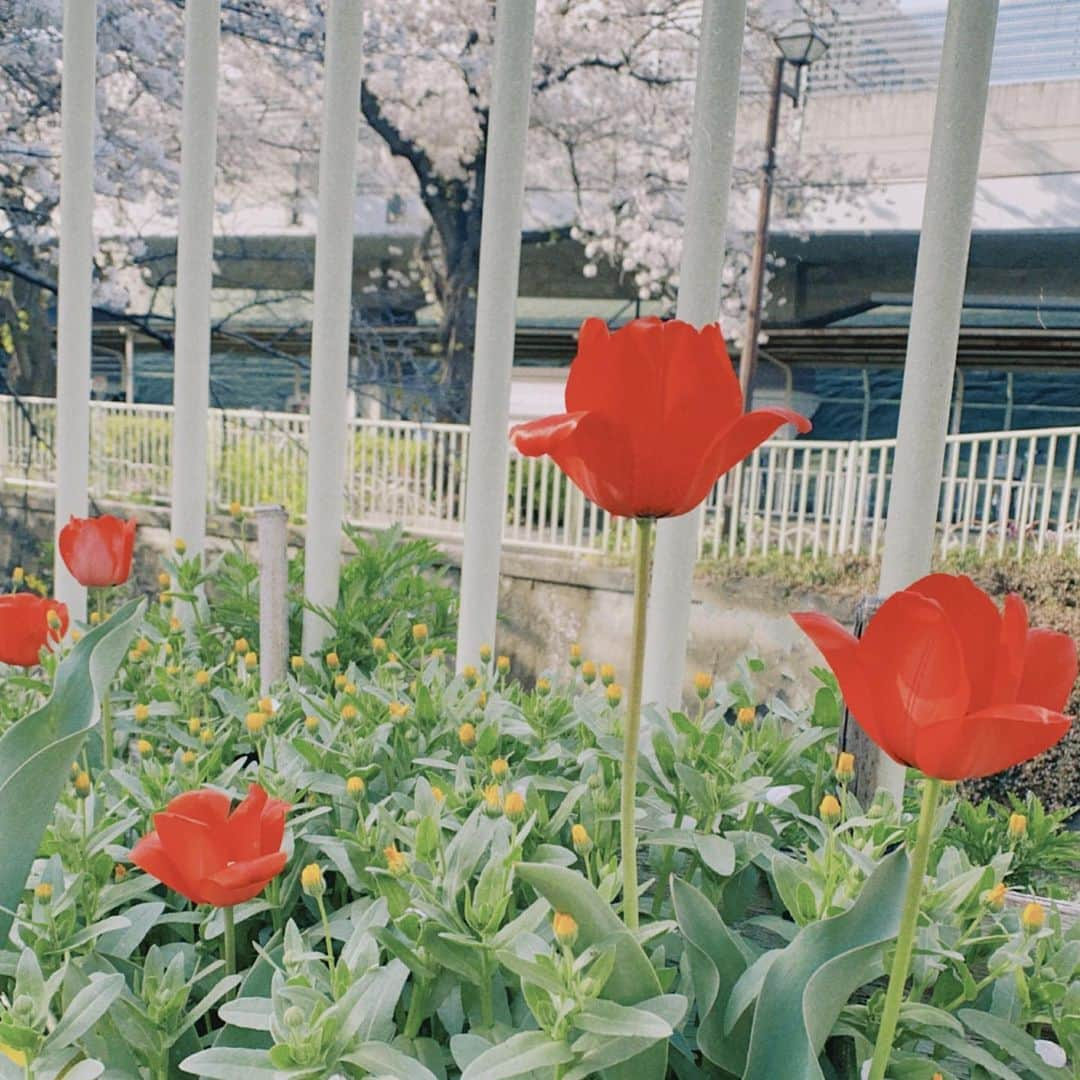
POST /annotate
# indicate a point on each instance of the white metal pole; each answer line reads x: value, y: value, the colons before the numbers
x: 329, y: 424
x: 712, y: 150
x: 936, y: 306
x: 73, y: 318
x: 129, y: 367
x: 271, y: 523
x: 194, y: 272
x: 500, y: 252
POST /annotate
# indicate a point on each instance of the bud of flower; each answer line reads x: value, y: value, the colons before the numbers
x: 251, y: 661
x: 575, y: 655
x: 311, y: 723
x: 354, y: 786
x: 613, y: 694
x: 53, y: 620
x: 43, y: 893
x: 579, y: 837
x: 293, y: 1017
x: 1017, y: 825
x: 607, y: 674
x: 378, y: 647
x: 340, y: 681
x: 493, y: 800
x: 202, y: 678
x: 467, y: 734
x: 164, y: 580
x: 82, y: 785
x: 255, y: 722
x: 188, y: 757
x: 349, y: 688
x: 502, y: 665
x: 397, y: 862
x: 995, y: 897
x: 469, y: 674
x: 172, y: 669
x: 164, y: 599
x: 143, y: 645
x: 565, y: 928
x: 485, y: 654
x: 76, y: 636
x: 194, y: 725
x: 392, y: 658
x: 297, y: 663
x: 179, y: 545
x: 419, y: 633
x: 845, y: 765
x: 500, y: 767
x: 745, y: 716
x: 142, y: 713
x: 266, y: 705
x: 830, y: 809
x: 206, y: 736
x: 482, y: 699
x: 119, y: 872
x: 76, y: 768
x: 236, y: 509
x: 95, y: 618
x: 438, y: 654
x: 18, y: 575
x: 937, y: 1076
x: 703, y: 684
x: 349, y: 711
x: 438, y: 795
x: 241, y: 646
x: 543, y: 686
x: 514, y: 806
x: 398, y: 710
x: 311, y: 880
x: 1033, y: 917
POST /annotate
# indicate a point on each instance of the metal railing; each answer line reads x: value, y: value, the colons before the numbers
x: 1015, y: 491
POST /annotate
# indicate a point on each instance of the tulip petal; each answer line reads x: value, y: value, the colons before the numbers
x: 206, y: 805
x: 196, y: 849
x: 245, y: 825
x: 986, y: 742
x: 975, y: 619
x: 242, y: 880
x: 841, y: 651
x: 1009, y: 661
x: 1050, y: 669
x: 273, y: 824
x: 149, y: 854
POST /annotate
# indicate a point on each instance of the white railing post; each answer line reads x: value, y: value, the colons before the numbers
x: 194, y: 272
x: 712, y: 148
x: 500, y: 253
x: 941, y: 269
x: 271, y: 523
x: 329, y: 426
x: 73, y: 320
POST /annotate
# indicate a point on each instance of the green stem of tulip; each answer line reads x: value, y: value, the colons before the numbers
x: 229, y: 936
x: 325, y: 919
x: 628, y: 837
x: 106, y: 703
x: 909, y: 921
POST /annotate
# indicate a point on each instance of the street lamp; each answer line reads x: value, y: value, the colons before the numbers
x: 799, y: 44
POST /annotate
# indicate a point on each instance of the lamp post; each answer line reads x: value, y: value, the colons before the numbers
x: 800, y: 44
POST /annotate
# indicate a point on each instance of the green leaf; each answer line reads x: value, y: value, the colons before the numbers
x: 36, y: 752
x: 810, y: 980
x: 1017, y: 1043
x: 86, y: 1008
x: 382, y: 1060
x: 519, y: 1055
x: 227, y: 1063
x: 602, y: 1017
x: 633, y: 978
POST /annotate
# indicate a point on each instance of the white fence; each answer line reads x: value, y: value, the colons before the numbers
x: 1015, y: 492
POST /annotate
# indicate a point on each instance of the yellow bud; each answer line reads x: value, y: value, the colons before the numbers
x: 311, y: 723
x: 588, y: 672
x: 143, y: 645
x: 500, y: 767
x: 164, y: 580
x: 830, y: 809
x: 565, y: 929
x: 76, y: 636
x: 492, y: 800
x: 311, y: 880
x: 206, y: 736
x: 438, y: 654
x: 349, y: 688
x: 543, y: 687
x: 514, y: 806
x: 397, y: 862
x: 167, y: 649
x: 1017, y: 825
x: 469, y: 674
x: 438, y: 794
x: 18, y: 575
x: 82, y: 785
x: 180, y: 545
x: 467, y: 734
x: 398, y: 710
x: 53, y: 620
x: 845, y: 765
x: 333, y: 660
x: 188, y: 757
x: 142, y: 713
x: 482, y: 699
x: 43, y: 892
x: 420, y: 633
x: 297, y: 663
x: 202, y: 678
x: 236, y: 509
x: 76, y: 768
x: 241, y: 646
x: 255, y: 722
x: 745, y: 716
x: 164, y: 599
x: 120, y: 872
x: 95, y: 618
x: 145, y: 747
x: 703, y: 684
x: 340, y: 682
x: 579, y: 837
x: 251, y: 660
x: 613, y: 693
x: 378, y: 647
x: 575, y: 655
x: 485, y: 654
x: 937, y: 1076
x: 355, y: 786
x: 349, y: 712
x: 175, y: 625
x: 995, y: 897
x: 134, y: 656
x: 607, y: 674
x: 1033, y: 917
x: 502, y: 665
x: 266, y: 705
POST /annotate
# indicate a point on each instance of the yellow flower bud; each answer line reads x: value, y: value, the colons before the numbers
x: 565, y: 929
x: 485, y: 654
x: 142, y: 713
x: 241, y: 646
x: 588, y: 672
x: 703, y: 684
x: 745, y: 716
x: 355, y: 786
x: 438, y: 794
x: 1033, y: 917
x: 53, y: 620
x: 167, y: 648
x: 175, y: 625
x: 845, y: 765
x: 311, y: 723
x: 1017, y: 825
x: 514, y: 806
x: 188, y: 757
x: 575, y: 655
x: 613, y: 693
x: 95, y: 618
x: 311, y: 880
x: 502, y: 665
x: 500, y: 767
x: 297, y: 663
x: 378, y: 647
x: 420, y: 633
x: 255, y: 722
x: 397, y: 862
x: 145, y: 747
x: 76, y: 636
x: 340, y: 681
x: 333, y: 660
x: 493, y: 800
x: 43, y: 892
x: 18, y: 575
x: 236, y: 509
x: 349, y: 688
x: 172, y: 670
x: 82, y: 785
x: 202, y: 677
x: 266, y: 705
x: 579, y: 837
x: 469, y: 674
x: 467, y: 734
x: 830, y: 809
x: 398, y: 710
x: 481, y: 701
x: 119, y: 872
x: 76, y: 768
x: 543, y: 686
x: 607, y: 674
x: 349, y: 711
x: 438, y: 654
x: 995, y: 897
x: 164, y: 580
x: 164, y: 599
x: 206, y: 736
x: 180, y: 545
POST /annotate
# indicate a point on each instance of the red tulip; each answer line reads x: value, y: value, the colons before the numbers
x: 97, y: 551
x: 654, y: 416
x: 25, y: 629
x: 203, y: 852
x: 942, y: 681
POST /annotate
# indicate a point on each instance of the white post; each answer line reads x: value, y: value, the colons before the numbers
x: 271, y: 523
x: 194, y: 272
x: 500, y: 252
x: 75, y: 282
x: 129, y: 366
x: 936, y: 306
x: 712, y: 149
x: 329, y: 424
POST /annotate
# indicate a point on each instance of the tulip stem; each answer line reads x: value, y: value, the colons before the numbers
x: 229, y: 936
x: 909, y: 921
x: 106, y: 702
x: 628, y: 838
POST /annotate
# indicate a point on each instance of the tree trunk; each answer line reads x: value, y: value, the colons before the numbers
x: 24, y: 309
x: 457, y: 334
